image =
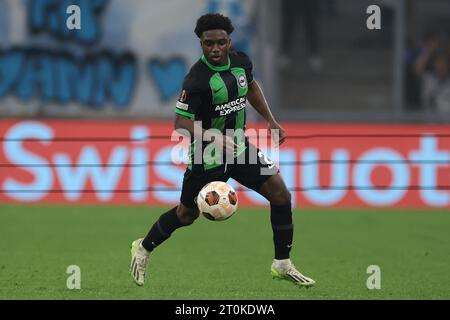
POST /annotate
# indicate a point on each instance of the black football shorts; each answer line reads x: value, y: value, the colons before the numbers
x: 251, y: 169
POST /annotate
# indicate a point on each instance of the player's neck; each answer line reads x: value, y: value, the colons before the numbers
x: 216, y: 67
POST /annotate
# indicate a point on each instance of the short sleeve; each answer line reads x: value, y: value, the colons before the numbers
x: 249, y: 72
x: 247, y: 65
x: 189, y: 100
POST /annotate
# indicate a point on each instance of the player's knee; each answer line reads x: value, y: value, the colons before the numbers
x: 281, y: 197
x: 186, y: 215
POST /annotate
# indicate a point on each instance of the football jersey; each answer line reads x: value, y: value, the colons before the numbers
x: 217, y: 97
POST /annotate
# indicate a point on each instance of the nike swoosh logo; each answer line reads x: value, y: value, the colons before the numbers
x: 215, y: 91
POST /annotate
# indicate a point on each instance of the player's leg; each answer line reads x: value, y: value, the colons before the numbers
x: 161, y: 230
x: 182, y: 215
x: 264, y: 178
x: 274, y: 189
x: 167, y: 223
x: 276, y: 192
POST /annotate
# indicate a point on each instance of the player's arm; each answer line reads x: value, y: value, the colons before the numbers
x: 186, y: 126
x: 188, y: 105
x: 256, y: 98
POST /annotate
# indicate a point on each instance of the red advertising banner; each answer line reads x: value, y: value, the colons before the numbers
x: 324, y: 165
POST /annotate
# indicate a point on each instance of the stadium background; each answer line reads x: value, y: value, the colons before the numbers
x: 85, y: 118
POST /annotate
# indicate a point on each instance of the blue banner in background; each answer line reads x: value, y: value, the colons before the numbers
x: 168, y: 76
x: 61, y: 78
x: 122, y: 61
x: 51, y: 15
x: 242, y: 23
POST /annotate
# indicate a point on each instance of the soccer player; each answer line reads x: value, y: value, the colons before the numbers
x: 215, y: 92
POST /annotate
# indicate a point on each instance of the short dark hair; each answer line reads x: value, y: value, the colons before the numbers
x: 213, y: 21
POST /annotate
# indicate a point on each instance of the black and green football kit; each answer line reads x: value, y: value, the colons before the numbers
x: 217, y: 97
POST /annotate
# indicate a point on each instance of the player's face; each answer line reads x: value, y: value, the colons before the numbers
x: 216, y: 46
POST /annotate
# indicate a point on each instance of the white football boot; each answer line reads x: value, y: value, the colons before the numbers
x: 285, y: 269
x: 139, y: 262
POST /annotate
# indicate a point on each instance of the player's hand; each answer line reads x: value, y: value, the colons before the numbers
x: 273, y: 125
x: 229, y: 145
x: 225, y: 143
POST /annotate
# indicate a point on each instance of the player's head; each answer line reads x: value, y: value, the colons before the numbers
x: 214, y: 32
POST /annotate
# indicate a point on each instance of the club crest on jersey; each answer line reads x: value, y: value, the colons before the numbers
x: 242, y: 81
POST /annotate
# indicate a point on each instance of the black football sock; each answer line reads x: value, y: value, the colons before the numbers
x: 283, y: 230
x: 162, y: 229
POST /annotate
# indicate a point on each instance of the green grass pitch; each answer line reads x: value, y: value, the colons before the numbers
x: 223, y: 260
